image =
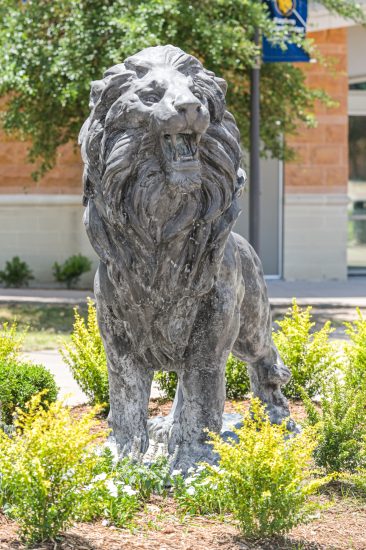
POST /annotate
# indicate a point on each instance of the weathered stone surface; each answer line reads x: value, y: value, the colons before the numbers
x: 176, y: 289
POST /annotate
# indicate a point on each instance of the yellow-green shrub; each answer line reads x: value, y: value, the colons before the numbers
x: 355, y: 352
x: 309, y: 354
x: 10, y: 342
x: 86, y: 358
x: 264, y: 479
x: 44, y: 466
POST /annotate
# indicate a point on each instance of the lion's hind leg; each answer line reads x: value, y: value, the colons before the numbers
x: 254, y: 344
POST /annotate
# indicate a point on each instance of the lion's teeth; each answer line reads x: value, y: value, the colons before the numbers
x: 173, y: 138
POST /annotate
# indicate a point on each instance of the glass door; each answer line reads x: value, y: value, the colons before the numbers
x: 356, y: 253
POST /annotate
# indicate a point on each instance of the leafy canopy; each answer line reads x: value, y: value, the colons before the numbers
x: 50, y: 51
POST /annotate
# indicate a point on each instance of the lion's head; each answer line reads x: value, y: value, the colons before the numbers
x: 162, y: 162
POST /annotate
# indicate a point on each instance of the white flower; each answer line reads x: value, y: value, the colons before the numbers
x: 176, y: 473
x: 191, y: 490
x: 113, y: 491
x: 190, y: 470
x: 105, y: 522
x: 100, y: 477
x: 129, y: 491
x: 189, y: 480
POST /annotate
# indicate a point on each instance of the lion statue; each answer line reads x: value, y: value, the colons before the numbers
x: 176, y: 290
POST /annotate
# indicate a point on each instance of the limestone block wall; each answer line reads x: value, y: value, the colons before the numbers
x: 42, y: 229
x: 315, y: 210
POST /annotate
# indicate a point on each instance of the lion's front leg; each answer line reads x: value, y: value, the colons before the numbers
x: 129, y: 391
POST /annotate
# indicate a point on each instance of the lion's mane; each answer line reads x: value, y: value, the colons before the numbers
x: 124, y: 182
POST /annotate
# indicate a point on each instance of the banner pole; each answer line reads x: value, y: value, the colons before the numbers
x: 254, y: 162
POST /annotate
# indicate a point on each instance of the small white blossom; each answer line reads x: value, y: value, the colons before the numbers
x: 113, y: 491
x: 189, y: 480
x: 129, y: 491
x: 100, y: 477
x: 105, y: 522
x: 191, y: 490
x: 190, y: 470
x: 176, y: 473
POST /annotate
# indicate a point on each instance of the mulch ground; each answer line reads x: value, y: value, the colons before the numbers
x: 160, y: 525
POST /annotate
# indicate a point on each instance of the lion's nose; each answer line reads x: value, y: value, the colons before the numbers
x: 188, y: 106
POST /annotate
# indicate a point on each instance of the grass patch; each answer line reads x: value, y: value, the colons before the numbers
x: 48, y: 325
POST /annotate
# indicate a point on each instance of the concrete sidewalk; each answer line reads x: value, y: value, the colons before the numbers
x: 339, y: 294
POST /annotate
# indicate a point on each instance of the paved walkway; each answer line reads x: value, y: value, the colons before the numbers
x: 349, y: 293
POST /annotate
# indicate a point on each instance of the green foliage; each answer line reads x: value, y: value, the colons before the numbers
x: 264, y: 479
x: 16, y: 273
x: 19, y: 382
x: 10, y: 342
x: 118, y: 489
x: 341, y: 423
x: 309, y: 354
x: 71, y: 270
x: 237, y: 379
x: 44, y: 467
x: 201, y: 493
x: 50, y: 51
x: 86, y: 358
x: 167, y: 383
x: 355, y: 352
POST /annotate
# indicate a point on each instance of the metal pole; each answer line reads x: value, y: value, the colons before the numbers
x: 254, y: 169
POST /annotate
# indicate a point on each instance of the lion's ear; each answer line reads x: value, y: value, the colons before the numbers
x: 97, y: 86
x: 222, y: 84
x: 116, y: 69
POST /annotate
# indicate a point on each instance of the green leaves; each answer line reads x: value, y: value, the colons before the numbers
x: 86, y: 358
x: 51, y: 51
x: 309, y: 354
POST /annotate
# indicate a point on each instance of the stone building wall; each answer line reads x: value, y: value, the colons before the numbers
x: 315, y: 215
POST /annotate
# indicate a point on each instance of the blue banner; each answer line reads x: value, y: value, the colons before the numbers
x: 286, y: 13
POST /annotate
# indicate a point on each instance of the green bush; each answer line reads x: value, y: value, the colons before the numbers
x: 16, y: 273
x: 309, y: 354
x: 264, y: 479
x: 19, y: 382
x: 71, y: 270
x: 355, y: 352
x: 44, y: 467
x: 167, y: 383
x: 86, y: 358
x: 237, y: 380
x: 341, y: 423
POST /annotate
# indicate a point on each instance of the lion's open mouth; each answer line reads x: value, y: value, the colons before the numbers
x: 181, y: 150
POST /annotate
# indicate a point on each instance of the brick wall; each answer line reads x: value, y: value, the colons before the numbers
x: 322, y: 152
x: 15, y: 172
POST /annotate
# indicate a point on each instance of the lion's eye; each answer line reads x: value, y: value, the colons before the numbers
x: 151, y: 99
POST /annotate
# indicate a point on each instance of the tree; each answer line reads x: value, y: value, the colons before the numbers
x: 50, y: 51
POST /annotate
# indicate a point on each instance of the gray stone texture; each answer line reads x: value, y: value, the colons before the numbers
x: 176, y: 290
